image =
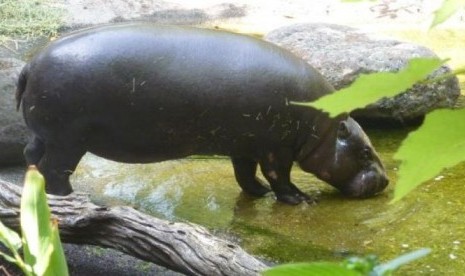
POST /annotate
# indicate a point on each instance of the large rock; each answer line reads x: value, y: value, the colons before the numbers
x: 343, y: 53
x: 13, y: 131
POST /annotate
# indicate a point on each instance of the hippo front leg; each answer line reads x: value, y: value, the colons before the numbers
x: 244, y: 171
x: 57, y: 164
x: 276, y: 167
x: 34, y: 151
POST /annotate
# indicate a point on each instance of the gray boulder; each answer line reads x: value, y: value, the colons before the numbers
x: 13, y: 132
x: 342, y: 53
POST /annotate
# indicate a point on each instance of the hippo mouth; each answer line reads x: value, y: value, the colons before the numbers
x: 365, y: 184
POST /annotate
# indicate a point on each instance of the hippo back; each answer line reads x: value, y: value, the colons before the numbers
x: 195, y: 88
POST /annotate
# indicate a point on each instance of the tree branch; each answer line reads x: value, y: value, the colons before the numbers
x: 183, y: 247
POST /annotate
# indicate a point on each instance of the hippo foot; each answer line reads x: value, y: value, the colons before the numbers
x: 60, y: 192
x: 257, y: 190
x: 60, y: 187
x: 255, y: 187
x: 294, y: 199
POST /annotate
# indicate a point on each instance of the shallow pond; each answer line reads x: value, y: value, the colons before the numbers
x: 204, y: 191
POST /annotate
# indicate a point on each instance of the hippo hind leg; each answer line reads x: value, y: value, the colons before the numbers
x: 57, y: 164
x: 244, y: 171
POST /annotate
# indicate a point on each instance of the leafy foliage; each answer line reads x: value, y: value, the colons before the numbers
x: 310, y: 269
x: 362, y: 265
x: 438, y: 144
x: 448, y: 8
x: 12, y: 241
x: 36, y: 215
x: 43, y: 252
x: 369, y: 88
x: 352, y: 266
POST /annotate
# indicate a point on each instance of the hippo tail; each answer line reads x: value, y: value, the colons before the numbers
x: 21, y: 85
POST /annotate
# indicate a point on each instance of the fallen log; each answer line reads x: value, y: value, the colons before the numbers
x: 182, y: 247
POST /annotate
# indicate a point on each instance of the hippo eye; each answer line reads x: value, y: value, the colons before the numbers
x: 366, y: 154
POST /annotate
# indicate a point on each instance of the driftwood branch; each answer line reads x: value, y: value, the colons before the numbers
x: 186, y: 248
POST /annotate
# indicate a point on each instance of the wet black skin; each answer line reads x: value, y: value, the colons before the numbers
x: 141, y: 93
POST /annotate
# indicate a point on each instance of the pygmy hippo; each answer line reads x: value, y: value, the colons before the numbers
x: 141, y: 93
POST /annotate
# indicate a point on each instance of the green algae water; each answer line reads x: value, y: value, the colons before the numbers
x: 204, y: 191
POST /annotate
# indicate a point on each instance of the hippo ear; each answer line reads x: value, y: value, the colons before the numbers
x: 343, y: 130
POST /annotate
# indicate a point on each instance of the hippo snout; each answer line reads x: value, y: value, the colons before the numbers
x: 366, y: 184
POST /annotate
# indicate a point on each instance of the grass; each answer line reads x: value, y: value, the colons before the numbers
x: 28, y: 18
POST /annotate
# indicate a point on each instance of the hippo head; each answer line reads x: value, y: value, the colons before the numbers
x: 346, y: 160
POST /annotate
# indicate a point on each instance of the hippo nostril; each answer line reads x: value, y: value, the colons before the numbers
x: 385, y: 181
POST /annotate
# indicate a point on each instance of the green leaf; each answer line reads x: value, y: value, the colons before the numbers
x: 8, y: 258
x: 310, y: 269
x: 9, y: 238
x: 12, y: 241
x: 369, y: 88
x: 448, y: 8
x: 400, y: 261
x: 363, y: 265
x: 438, y: 144
x: 57, y: 263
x: 42, y: 247
x: 35, y: 219
x: 18, y: 261
x: 43, y: 261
